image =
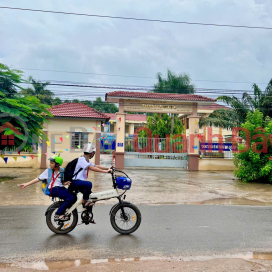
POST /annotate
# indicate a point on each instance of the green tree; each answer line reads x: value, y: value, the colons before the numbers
x: 224, y: 118
x: 57, y: 101
x: 98, y: 105
x: 162, y: 126
x: 179, y: 84
x: 239, y: 108
x: 255, y: 166
x: 9, y: 79
x: 104, y: 106
x: 28, y: 108
x: 39, y: 90
x: 88, y: 103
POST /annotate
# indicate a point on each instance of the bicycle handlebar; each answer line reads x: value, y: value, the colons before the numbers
x: 113, y: 178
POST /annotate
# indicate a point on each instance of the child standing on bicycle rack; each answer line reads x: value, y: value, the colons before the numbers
x: 56, y: 186
x: 82, y: 168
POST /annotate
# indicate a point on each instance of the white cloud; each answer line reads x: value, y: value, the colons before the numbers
x: 87, y: 44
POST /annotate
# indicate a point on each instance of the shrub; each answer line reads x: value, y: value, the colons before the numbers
x: 255, y: 166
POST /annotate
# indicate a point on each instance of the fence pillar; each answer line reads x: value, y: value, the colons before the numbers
x: 120, y: 139
x: 193, y: 147
x: 98, y: 142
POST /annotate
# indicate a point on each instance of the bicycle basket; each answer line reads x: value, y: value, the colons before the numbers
x: 123, y: 183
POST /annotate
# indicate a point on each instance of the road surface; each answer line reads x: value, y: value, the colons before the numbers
x: 166, y: 230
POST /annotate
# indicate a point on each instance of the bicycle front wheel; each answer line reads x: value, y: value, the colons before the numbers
x: 129, y: 221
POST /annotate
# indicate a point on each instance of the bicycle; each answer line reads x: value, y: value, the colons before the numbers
x: 125, y: 217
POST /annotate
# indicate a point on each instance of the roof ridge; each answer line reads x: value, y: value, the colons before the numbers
x: 76, y: 110
x: 170, y: 96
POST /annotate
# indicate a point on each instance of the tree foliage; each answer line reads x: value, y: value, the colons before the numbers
x: 224, y: 118
x: 99, y: 105
x: 57, y: 101
x: 239, y: 108
x: 255, y: 166
x: 40, y: 91
x: 173, y: 83
x: 29, y: 109
x: 162, y: 126
x: 9, y: 79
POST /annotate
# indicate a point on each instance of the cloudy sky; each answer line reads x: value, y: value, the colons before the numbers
x: 214, y: 57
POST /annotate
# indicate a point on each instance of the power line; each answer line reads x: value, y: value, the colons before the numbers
x: 139, y: 19
x: 83, y: 73
x: 129, y: 104
x: 132, y: 87
x: 76, y: 82
x: 132, y: 76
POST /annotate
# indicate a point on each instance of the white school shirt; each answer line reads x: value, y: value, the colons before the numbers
x: 58, y: 182
x: 82, y: 163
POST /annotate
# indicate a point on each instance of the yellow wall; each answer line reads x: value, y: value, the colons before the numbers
x: 28, y: 162
x: 213, y: 164
x: 61, y: 127
x: 215, y: 130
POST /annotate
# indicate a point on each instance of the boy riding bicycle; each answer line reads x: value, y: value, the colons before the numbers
x: 56, y: 185
x: 79, y: 182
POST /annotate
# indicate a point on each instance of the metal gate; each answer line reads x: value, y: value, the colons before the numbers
x: 156, y: 158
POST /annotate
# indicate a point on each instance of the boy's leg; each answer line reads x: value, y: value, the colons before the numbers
x: 85, y: 187
x: 68, y: 198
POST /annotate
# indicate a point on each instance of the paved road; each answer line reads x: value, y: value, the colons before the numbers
x: 166, y: 229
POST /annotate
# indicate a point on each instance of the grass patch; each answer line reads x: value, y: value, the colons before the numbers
x: 6, y: 178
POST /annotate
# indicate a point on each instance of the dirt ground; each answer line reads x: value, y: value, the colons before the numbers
x: 219, y: 265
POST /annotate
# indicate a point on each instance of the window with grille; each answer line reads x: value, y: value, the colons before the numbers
x: 78, y: 139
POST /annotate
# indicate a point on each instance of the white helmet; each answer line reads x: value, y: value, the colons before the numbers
x: 89, y: 148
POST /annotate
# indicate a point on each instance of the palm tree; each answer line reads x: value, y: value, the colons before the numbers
x: 180, y: 84
x: 39, y: 90
x: 236, y: 115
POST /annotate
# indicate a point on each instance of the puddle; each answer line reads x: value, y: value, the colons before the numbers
x: 6, y: 178
x: 262, y: 256
x: 164, y: 203
x: 48, y: 265
x: 60, y: 265
x: 233, y: 201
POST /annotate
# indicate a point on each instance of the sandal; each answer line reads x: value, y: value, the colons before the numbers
x: 63, y: 218
x: 88, y: 204
x: 92, y: 221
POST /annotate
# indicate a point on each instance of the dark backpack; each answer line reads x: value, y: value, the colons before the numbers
x: 70, y: 170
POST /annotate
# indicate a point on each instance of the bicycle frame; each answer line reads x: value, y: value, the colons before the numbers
x: 104, y: 195
x: 94, y: 196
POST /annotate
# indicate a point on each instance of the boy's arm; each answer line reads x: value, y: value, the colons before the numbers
x: 23, y: 185
x: 102, y: 167
x: 97, y: 169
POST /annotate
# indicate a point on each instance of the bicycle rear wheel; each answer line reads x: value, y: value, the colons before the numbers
x: 126, y: 224
x: 66, y: 226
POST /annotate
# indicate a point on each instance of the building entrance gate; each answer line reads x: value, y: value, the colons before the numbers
x: 157, y: 103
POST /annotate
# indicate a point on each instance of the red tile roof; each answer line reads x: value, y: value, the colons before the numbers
x: 130, y: 117
x: 76, y: 110
x: 214, y: 106
x: 167, y: 96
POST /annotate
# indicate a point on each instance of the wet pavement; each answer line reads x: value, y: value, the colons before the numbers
x: 167, y: 230
x: 224, y: 218
x: 232, y: 262
x: 149, y: 187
